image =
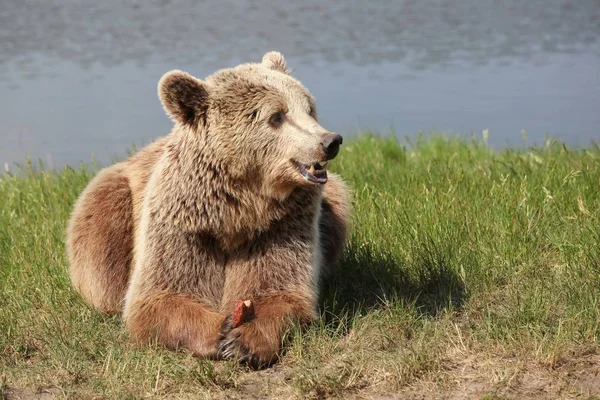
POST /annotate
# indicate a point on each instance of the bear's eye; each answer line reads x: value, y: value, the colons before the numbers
x: 311, y: 111
x: 277, y: 119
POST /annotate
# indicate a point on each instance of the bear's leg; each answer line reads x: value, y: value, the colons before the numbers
x: 100, y: 240
x: 177, y: 321
x: 333, y: 225
x: 258, y: 342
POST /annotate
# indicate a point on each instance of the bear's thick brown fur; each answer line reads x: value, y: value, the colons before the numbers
x: 231, y: 205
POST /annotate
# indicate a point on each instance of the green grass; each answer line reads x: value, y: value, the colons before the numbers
x: 469, y: 273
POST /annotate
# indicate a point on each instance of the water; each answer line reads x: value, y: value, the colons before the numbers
x: 78, y: 78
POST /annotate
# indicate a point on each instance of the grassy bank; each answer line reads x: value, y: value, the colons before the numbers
x: 469, y: 274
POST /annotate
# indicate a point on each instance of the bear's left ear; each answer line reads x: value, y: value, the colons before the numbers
x: 184, y: 98
x: 274, y: 60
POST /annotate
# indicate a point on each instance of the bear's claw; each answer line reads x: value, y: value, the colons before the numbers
x: 229, y: 347
x: 227, y: 344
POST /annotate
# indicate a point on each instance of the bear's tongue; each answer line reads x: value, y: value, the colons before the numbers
x: 315, y: 173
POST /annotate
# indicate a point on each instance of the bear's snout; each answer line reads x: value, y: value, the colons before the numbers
x: 331, y: 145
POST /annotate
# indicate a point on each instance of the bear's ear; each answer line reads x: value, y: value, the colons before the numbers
x: 184, y: 98
x: 274, y: 60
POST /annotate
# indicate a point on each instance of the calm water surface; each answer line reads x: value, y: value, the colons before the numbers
x: 78, y: 78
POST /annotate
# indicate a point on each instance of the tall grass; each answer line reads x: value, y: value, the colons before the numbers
x: 457, y: 252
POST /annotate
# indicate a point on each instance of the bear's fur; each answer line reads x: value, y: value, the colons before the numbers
x: 229, y: 206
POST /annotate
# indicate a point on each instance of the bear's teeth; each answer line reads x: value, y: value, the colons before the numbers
x: 320, y: 165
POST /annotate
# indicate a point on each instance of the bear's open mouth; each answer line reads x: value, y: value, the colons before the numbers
x: 315, y: 173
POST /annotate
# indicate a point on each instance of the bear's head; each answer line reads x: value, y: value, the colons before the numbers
x: 256, y: 120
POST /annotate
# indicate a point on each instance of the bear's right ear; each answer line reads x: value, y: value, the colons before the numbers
x: 184, y: 98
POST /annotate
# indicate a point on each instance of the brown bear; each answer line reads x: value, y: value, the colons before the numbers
x: 234, y: 204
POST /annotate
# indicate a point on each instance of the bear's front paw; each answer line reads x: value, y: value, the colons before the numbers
x: 225, y: 348
x: 247, y: 344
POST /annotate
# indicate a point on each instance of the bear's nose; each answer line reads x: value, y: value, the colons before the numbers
x: 331, y: 144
